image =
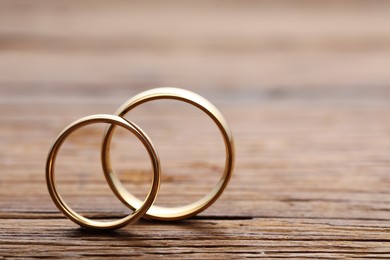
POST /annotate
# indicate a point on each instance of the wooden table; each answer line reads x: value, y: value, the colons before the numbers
x: 305, y: 88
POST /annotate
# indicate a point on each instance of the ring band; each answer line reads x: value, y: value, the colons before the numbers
x: 141, y: 207
x: 181, y: 212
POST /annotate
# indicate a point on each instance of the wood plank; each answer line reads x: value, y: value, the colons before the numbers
x: 304, y: 87
x: 222, y: 238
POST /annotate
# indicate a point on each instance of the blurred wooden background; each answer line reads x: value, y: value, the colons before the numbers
x: 303, y: 84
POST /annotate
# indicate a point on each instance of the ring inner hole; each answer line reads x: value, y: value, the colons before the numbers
x: 191, y: 150
x: 79, y: 175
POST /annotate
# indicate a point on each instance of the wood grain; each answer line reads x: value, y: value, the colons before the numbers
x: 304, y: 87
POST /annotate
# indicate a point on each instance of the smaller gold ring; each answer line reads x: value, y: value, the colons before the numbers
x: 77, y: 218
x: 181, y: 212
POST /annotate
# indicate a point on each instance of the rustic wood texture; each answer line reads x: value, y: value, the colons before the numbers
x: 304, y: 86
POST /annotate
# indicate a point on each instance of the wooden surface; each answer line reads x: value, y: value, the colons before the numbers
x: 304, y: 86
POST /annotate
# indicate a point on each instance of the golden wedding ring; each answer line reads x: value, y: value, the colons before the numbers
x: 181, y: 212
x: 140, y: 208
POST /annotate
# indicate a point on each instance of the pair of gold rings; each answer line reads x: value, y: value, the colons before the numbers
x: 141, y: 208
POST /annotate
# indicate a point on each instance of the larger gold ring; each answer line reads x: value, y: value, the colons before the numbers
x: 181, y: 212
x: 141, y: 208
